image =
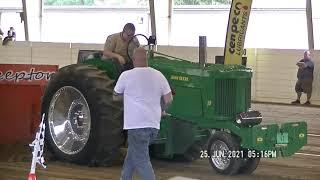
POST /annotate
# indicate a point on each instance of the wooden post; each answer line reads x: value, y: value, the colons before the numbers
x: 202, y: 51
x: 153, y: 18
x: 309, y: 24
x: 25, y: 20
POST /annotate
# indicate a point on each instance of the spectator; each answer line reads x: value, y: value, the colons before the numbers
x: 305, y: 78
x: 1, y: 35
x: 146, y: 95
x: 1, y: 32
x: 11, y: 36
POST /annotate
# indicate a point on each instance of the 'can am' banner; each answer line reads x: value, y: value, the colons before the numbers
x: 236, y: 31
x: 26, y: 74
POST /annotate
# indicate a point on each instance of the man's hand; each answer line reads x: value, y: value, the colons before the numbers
x: 109, y: 54
x: 301, y: 64
x: 121, y: 60
x: 164, y: 113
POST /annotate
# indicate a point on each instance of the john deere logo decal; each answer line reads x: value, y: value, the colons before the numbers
x: 301, y: 135
x: 259, y: 139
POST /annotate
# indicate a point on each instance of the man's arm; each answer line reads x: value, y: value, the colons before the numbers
x: 133, y: 45
x: 110, y: 54
x: 305, y: 64
x: 14, y: 35
x: 117, y: 97
x: 119, y: 88
x: 166, y: 98
x: 301, y: 64
x: 109, y: 46
x: 136, y: 42
x: 166, y: 101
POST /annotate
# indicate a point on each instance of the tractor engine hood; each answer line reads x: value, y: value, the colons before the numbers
x: 218, y: 71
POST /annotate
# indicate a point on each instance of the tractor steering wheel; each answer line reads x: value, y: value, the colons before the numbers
x: 128, y: 54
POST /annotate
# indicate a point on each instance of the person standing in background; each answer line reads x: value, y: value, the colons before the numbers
x: 11, y: 36
x: 305, y: 78
x: 1, y: 32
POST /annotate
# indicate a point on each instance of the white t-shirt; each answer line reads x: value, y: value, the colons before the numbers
x: 142, y: 89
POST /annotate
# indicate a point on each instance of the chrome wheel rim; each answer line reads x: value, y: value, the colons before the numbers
x: 219, y: 155
x: 69, y: 120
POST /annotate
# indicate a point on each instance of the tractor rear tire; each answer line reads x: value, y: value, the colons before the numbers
x: 220, y: 146
x: 249, y: 165
x: 190, y: 155
x: 193, y: 153
x: 83, y: 124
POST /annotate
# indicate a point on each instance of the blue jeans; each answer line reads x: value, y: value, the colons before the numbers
x: 138, y: 154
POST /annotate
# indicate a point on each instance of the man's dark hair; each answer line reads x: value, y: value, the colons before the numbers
x: 129, y: 27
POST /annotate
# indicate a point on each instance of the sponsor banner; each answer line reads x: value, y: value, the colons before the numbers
x: 26, y: 74
x: 236, y: 31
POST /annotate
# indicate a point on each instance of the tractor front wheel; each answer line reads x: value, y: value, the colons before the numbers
x: 223, y: 151
x: 249, y: 165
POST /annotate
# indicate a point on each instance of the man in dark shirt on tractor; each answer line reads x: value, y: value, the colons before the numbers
x: 305, y: 78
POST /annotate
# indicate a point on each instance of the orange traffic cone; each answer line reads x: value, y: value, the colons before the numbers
x: 32, y: 176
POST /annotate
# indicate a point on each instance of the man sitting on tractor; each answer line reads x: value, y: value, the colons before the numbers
x: 119, y: 46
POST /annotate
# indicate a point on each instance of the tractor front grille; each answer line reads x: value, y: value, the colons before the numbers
x: 225, y: 97
x: 247, y: 93
x: 231, y: 96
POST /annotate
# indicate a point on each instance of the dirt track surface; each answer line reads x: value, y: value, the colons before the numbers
x: 15, y: 159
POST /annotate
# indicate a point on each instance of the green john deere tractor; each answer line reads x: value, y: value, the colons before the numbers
x: 210, y: 116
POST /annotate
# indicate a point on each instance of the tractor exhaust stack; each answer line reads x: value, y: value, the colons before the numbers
x: 202, y: 51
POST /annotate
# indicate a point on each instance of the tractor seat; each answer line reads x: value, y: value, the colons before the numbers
x: 83, y: 55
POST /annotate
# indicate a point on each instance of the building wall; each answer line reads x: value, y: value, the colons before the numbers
x: 269, y: 23
x: 274, y: 69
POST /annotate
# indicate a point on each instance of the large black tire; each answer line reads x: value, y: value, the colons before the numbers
x: 249, y: 165
x: 233, y: 145
x: 106, y: 135
x: 190, y: 155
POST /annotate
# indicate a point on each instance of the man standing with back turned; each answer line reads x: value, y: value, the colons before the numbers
x: 142, y: 89
x: 305, y: 78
